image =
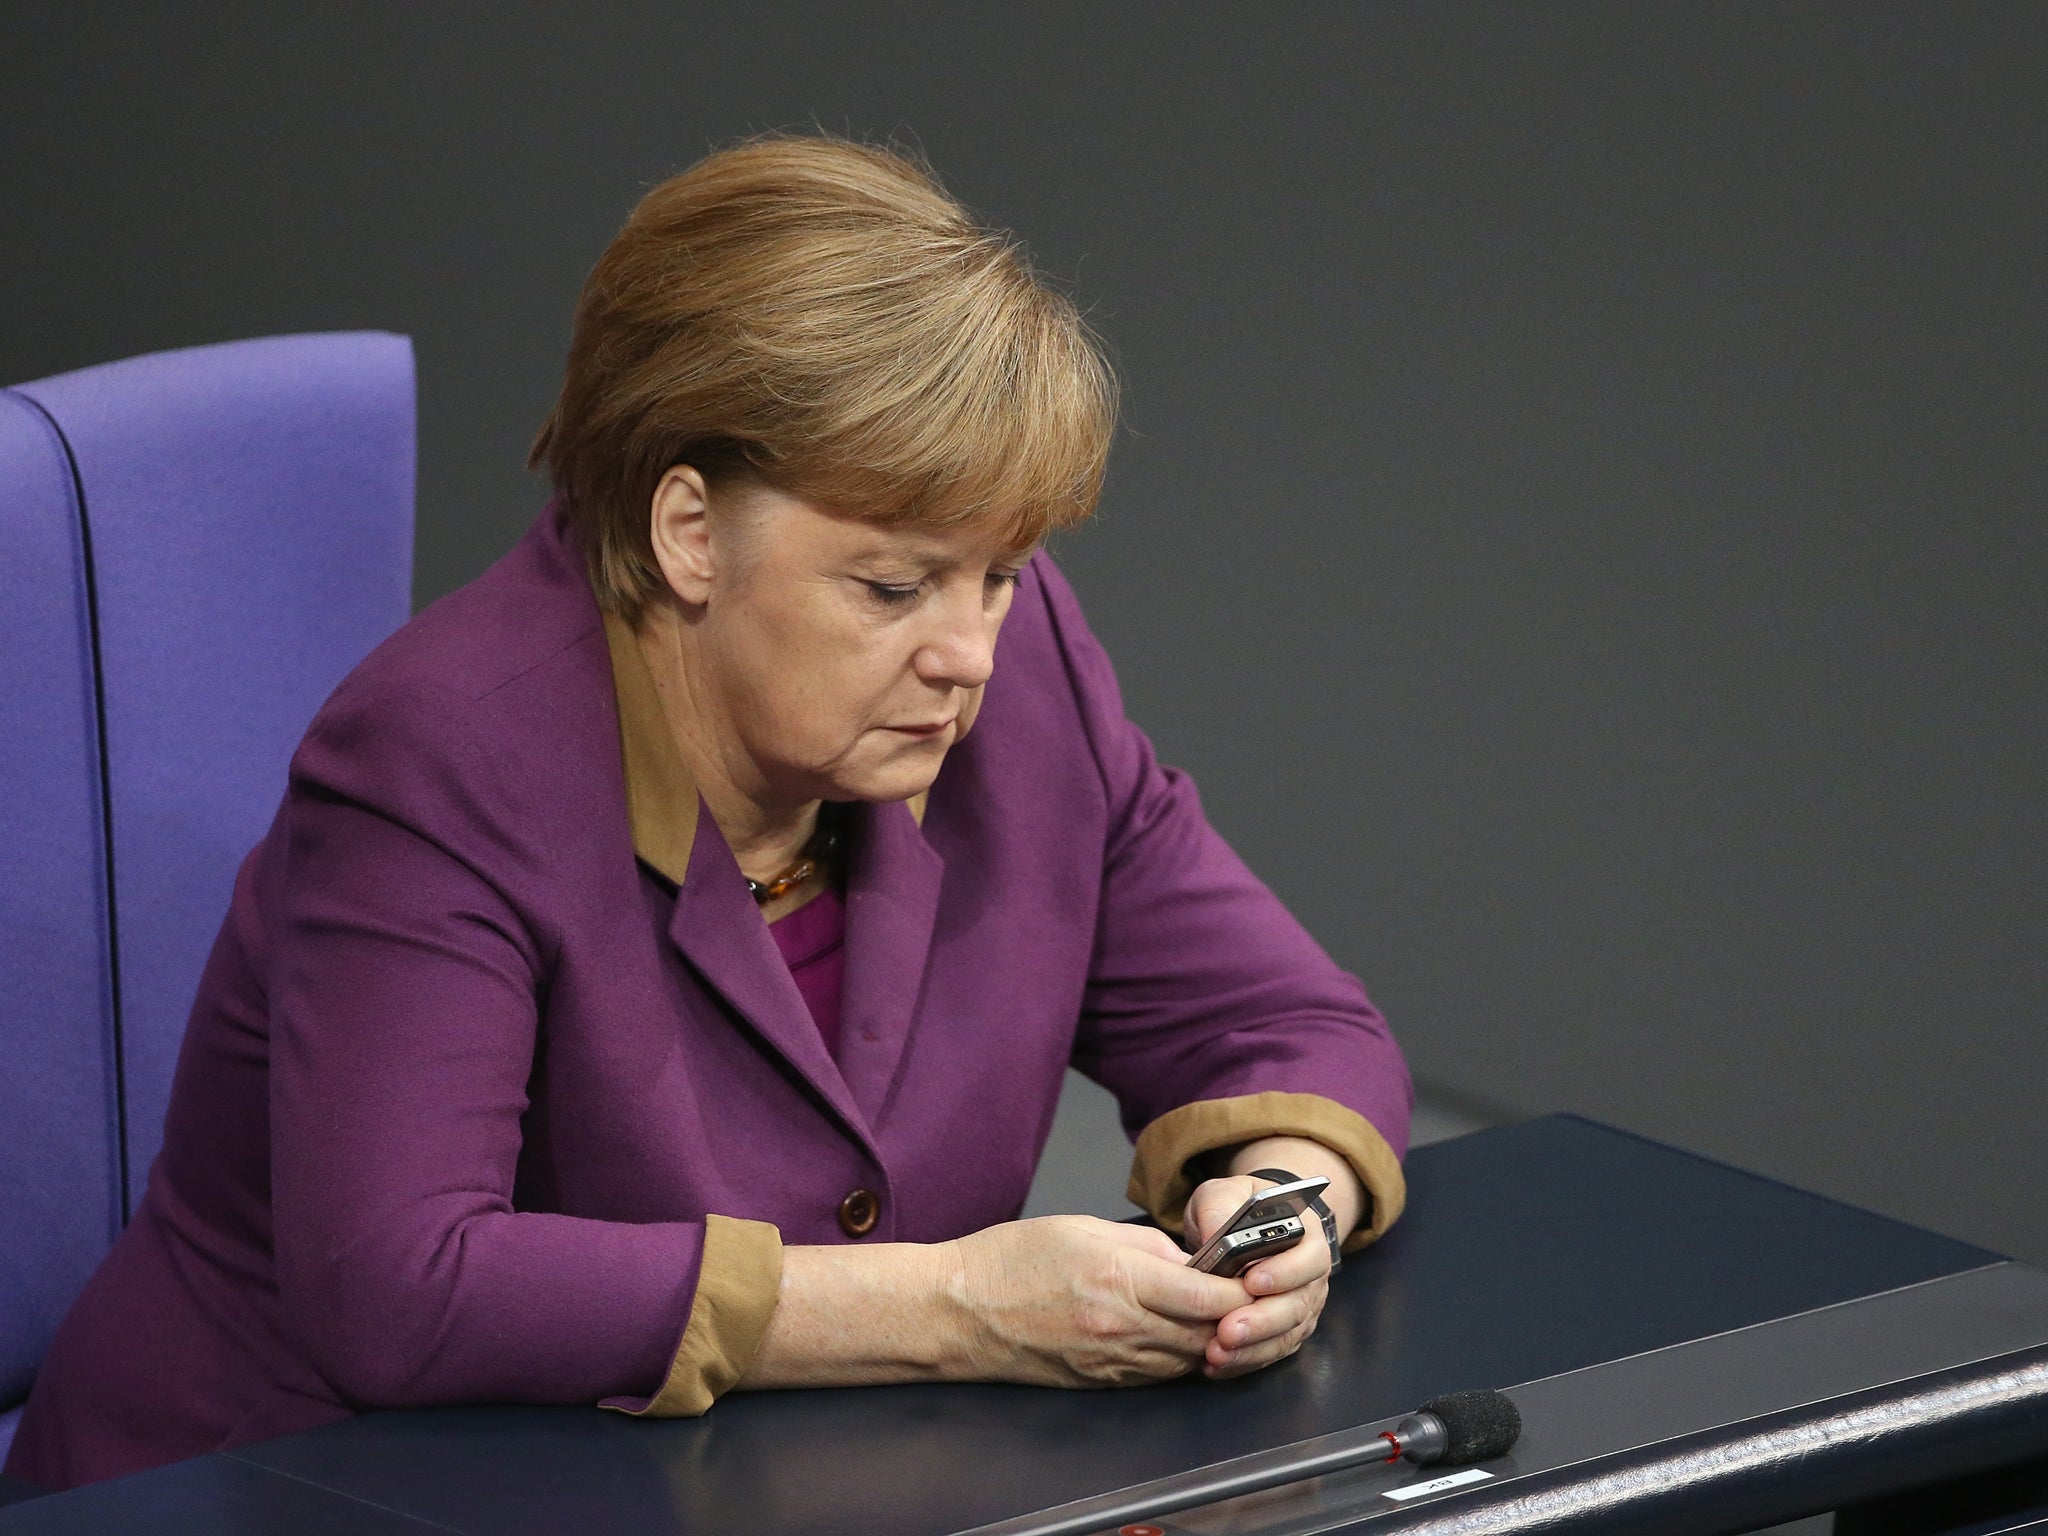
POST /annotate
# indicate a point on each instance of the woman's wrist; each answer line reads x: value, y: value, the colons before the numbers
x: 864, y: 1315
x: 1346, y: 1195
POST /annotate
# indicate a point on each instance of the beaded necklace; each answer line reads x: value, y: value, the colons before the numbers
x: 824, y: 843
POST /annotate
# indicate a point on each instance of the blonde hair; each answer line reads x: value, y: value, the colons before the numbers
x: 823, y: 315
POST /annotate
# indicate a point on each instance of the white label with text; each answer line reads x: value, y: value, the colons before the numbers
x: 1439, y: 1484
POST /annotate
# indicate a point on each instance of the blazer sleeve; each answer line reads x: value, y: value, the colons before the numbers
x: 405, y: 1012
x: 1211, y: 1013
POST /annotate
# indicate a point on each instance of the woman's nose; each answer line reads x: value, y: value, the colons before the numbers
x: 961, y: 650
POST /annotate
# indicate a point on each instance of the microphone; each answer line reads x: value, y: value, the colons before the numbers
x: 1456, y: 1429
x: 1451, y: 1431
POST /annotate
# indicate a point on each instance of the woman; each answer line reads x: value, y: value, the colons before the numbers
x: 659, y: 976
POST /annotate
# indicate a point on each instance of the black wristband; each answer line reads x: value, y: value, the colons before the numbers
x: 1315, y: 1203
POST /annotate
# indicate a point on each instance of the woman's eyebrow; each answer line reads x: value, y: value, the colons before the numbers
x: 896, y: 559
x: 938, y: 562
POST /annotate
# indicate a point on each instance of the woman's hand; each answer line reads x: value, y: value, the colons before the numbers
x: 1074, y: 1301
x: 1059, y: 1301
x: 1286, y: 1290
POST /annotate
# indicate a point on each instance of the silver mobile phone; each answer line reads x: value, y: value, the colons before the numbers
x: 1269, y: 1222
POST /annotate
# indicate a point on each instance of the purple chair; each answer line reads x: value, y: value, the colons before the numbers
x: 197, y: 546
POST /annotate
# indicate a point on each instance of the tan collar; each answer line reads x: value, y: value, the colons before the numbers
x: 661, y: 797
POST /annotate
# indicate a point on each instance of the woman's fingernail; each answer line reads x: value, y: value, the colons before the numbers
x: 1242, y: 1332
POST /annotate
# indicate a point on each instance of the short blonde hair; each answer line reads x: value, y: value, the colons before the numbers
x: 823, y: 315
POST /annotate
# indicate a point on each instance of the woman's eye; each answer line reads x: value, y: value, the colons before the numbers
x: 886, y: 593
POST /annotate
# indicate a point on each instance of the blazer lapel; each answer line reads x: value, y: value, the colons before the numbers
x: 715, y: 925
x: 892, y: 903
x: 719, y: 931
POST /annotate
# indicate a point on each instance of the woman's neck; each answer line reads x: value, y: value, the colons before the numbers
x: 766, y: 835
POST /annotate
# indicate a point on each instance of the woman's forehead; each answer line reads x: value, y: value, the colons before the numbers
x: 822, y: 530
x: 964, y: 544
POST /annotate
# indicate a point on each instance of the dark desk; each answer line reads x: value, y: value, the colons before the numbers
x: 1546, y: 1254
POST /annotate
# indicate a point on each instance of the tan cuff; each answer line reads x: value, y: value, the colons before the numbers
x: 1161, y: 1180
x: 738, y: 1284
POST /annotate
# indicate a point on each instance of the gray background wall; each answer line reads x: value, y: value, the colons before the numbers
x: 1581, y: 514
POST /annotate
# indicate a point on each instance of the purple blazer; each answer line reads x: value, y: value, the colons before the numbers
x: 497, y: 1090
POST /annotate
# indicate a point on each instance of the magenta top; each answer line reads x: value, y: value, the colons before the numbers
x: 812, y: 940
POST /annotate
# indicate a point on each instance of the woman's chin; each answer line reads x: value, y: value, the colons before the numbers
x: 901, y: 776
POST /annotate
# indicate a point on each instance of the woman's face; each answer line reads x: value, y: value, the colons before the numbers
x: 840, y: 658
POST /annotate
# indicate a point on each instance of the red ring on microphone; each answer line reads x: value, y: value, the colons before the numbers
x: 1387, y: 1435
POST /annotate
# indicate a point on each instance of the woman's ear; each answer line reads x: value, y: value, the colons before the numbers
x: 679, y: 527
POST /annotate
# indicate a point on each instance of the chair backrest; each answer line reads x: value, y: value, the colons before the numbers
x: 205, y: 542
x: 60, y: 1167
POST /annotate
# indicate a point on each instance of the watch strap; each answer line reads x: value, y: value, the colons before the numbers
x: 1316, y: 1204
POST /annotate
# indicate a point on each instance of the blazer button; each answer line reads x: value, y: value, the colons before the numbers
x: 859, y: 1212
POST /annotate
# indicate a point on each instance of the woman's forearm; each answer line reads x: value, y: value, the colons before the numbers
x: 862, y: 1316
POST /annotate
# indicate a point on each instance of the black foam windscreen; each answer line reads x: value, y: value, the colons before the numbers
x: 1478, y: 1426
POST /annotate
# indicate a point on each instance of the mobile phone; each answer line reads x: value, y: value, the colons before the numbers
x: 1269, y: 1222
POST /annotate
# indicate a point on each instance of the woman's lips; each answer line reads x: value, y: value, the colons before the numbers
x: 923, y: 731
